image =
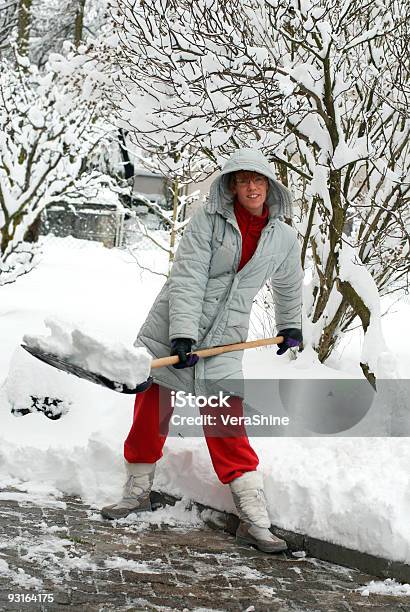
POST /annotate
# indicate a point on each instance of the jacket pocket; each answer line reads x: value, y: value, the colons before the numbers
x: 222, y: 261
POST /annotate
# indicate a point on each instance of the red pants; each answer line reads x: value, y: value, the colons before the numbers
x: 230, y: 456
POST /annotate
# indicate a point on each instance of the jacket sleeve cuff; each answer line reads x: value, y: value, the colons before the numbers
x: 291, y: 325
x: 184, y: 333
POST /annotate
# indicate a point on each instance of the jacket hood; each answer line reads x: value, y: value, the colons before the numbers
x: 279, y: 199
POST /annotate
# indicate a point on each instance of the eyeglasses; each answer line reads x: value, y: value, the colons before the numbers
x: 258, y: 180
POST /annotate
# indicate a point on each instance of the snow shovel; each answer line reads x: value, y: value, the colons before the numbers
x: 65, y: 365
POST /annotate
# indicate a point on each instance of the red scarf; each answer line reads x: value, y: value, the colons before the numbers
x: 251, y: 227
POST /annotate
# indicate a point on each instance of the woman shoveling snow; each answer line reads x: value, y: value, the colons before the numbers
x: 231, y: 247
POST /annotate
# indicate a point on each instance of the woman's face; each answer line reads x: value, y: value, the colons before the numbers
x: 250, y: 189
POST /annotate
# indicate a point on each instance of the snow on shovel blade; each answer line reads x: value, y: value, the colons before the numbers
x: 66, y: 366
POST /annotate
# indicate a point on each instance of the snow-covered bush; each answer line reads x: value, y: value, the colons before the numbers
x: 322, y: 89
x: 50, y: 123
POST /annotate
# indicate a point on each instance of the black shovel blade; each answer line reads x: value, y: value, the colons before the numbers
x: 66, y: 366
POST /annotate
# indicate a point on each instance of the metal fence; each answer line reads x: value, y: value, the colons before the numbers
x: 91, y: 222
x: 111, y: 226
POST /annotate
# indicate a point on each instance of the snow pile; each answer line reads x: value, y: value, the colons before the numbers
x: 183, y: 513
x: 32, y: 386
x: 128, y: 365
x: 388, y: 587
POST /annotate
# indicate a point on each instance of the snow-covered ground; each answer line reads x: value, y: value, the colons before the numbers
x: 353, y: 491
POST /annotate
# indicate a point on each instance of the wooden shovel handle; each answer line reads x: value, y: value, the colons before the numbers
x: 218, y: 350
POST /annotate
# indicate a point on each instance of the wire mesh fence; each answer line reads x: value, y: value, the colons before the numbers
x: 109, y: 225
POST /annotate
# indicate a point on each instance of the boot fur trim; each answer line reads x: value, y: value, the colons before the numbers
x: 139, y: 469
x: 249, y: 480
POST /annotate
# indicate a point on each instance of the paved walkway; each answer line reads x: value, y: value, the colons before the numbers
x: 63, y: 549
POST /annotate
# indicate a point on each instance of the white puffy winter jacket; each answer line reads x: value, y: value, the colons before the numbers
x: 206, y: 299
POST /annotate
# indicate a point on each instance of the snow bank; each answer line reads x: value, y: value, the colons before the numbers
x: 350, y: 492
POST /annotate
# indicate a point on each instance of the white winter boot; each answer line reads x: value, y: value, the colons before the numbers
x: 135, y: 497
x: 249, y: 498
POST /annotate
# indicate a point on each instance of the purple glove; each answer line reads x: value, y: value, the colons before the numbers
x: 181, y: 347
x: 291, y: 339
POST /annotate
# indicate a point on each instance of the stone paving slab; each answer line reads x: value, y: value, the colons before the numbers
x: 66, y: 550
